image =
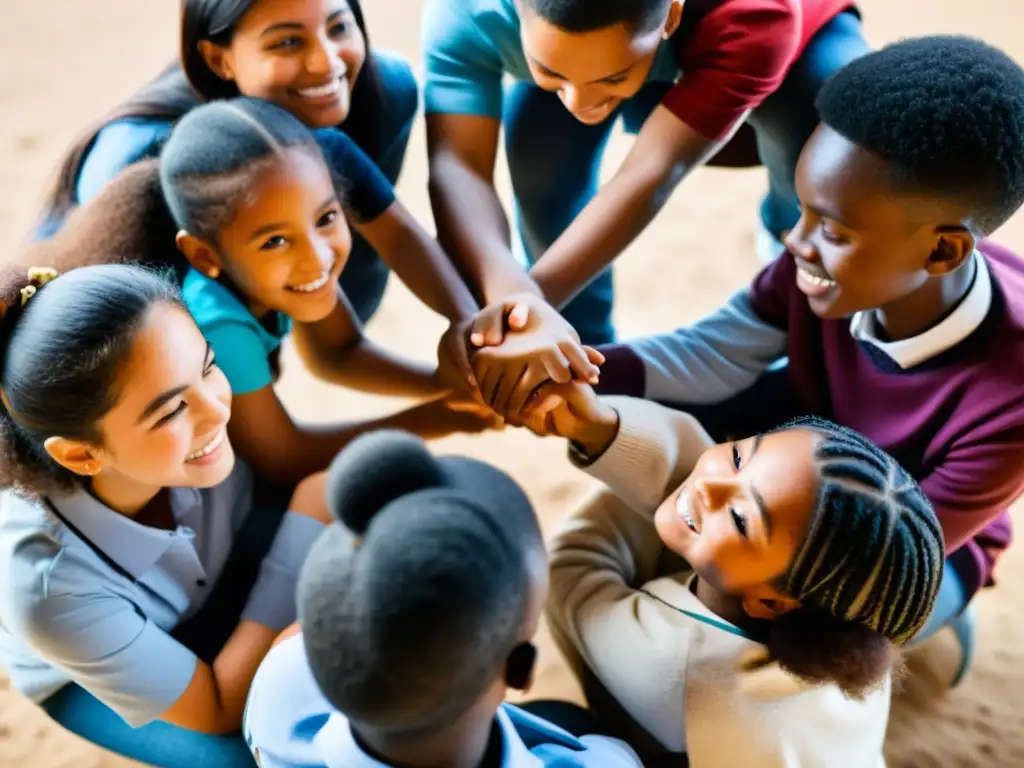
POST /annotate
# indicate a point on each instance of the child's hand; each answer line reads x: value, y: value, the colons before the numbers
x: 540, y: 334
x: 573, y: 411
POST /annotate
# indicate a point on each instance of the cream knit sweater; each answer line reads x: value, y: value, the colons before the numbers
x: 680, y: 675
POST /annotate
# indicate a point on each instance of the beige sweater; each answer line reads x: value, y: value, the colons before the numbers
x: 679, y: 675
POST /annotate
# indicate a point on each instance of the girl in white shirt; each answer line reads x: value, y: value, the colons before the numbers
x: 809, y: 558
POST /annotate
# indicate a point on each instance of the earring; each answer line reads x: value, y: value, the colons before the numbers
x: 213, y: 273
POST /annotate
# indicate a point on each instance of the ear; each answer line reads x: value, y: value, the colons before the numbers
x: 218, y: 58
x: 675, y: 15
x: 954, y: 246
x: 520, y: 665
x: 768, y: 607
x: 74, y: 455
x: 199, y: 254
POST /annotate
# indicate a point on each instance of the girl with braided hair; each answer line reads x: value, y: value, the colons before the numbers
x: 753, y: 611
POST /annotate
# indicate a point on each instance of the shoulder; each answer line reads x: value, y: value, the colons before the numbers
x: 757, y: 33
x: 1007, y: 270
x: 211, y: 304
x: 283, y: 696
x: 484, y: 24
x: 116, y: 146
x: 39, y: 565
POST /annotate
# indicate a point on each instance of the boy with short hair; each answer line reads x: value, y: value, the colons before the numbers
x: 417, y: 611
x: 898, y: 320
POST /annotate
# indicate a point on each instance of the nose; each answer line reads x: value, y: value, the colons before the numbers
x: 212, y: 412
x: 322, y: 252
x: 321, y: 55
x: 797, y: 241
x: 716, y: 492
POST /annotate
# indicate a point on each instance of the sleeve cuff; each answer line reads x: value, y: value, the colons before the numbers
x: 272, y: 600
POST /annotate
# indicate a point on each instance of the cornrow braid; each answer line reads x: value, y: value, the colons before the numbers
x: 874, y: 552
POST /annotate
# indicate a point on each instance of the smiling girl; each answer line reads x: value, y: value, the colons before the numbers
x: 313, y: 57
x: 752, y: 612
x: 262, y: 225
x: 144, y: 571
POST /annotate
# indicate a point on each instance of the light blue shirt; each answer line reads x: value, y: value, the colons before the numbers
x: 289, y: 724
x: 469, y: 45
x: 241, y: 344
x: 68, y: 615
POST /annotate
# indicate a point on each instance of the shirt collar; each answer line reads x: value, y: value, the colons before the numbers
x: 338, y: 747
x: 957, y: 326
x: 134, y: 547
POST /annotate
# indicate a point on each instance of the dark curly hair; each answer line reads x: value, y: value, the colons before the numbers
x: 866, y: 574
x: 62, y: 353
x: 947, y: 112
x: 578, y: 16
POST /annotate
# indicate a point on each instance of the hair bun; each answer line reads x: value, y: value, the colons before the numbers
x: 376, y: 469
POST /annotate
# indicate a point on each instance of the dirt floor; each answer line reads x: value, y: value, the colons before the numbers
x: 62, y: 62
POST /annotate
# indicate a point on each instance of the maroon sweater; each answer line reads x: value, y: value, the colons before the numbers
x: 955, y: 421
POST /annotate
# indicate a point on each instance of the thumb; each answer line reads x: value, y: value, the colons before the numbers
x: 519, y: 316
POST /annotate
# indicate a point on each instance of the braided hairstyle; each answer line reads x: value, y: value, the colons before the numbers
x: 867, y: 572
x: 63, y: 344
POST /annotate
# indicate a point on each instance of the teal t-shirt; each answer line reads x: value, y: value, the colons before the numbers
x: 469, y: 45
x: 241, y: 344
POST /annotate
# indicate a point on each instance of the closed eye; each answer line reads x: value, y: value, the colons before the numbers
x: 288, y: 43
x: 182, y: 405
x: 739, y: 521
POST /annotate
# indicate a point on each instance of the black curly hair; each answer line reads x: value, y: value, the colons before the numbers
x: 578, y: 16
x: 947, y: 112
x: 867, y: 572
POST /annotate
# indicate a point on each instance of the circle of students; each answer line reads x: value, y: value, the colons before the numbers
x: 794, y: 489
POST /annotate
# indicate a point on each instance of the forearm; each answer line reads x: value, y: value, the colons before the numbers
x: 234, y: 669
x: 420, y: 263
x: 474, y: 231
x: 620, y: 211
x: 368, y: 367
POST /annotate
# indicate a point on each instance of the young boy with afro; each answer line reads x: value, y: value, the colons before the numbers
x: 898, y: 319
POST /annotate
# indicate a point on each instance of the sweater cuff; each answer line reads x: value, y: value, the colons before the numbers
x: 272, y: 600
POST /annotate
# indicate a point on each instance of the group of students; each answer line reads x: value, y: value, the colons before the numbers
x: 792, y: 489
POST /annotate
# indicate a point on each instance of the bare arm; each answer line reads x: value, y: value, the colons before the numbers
x: 334, y: 349
x: 471, y: 224
x: 277, y: 448
x: 419, y: 261
x: 664, y: 153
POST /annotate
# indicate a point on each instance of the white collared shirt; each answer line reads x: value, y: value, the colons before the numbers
x: 289, y: 724
x: 954, y: 328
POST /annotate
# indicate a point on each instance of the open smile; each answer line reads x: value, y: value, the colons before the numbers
x: 210, y: 447
x: 686, y: 511
x: 329, y: 90
x: 812, y: 281
x: 313, y: 285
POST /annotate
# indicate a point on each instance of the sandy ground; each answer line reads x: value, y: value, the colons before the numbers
x: 64, y: 61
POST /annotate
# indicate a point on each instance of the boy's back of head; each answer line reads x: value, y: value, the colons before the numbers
x: 947, y: 115
x: 419, y: 602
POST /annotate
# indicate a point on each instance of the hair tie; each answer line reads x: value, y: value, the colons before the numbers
x: 37, y: 278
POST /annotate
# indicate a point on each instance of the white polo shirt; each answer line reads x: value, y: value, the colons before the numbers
x: 289, y: 724
x: 70, y: 614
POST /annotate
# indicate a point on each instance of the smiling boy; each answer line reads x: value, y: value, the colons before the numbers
x: 898, y: 320
x: 683, y: 76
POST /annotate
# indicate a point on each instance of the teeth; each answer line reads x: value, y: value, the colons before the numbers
x: 815, y: 280
x: 320, y: 91
x: 683, y: 508
x: 207, y: 449
x: 316, y: 285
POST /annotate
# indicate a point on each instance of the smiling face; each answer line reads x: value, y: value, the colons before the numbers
x: 168, y: 427
x: 304, y: 55
x: 288, y: 242
x: 860, y: 243
x: 592, y: 72
x: 744, y: 509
